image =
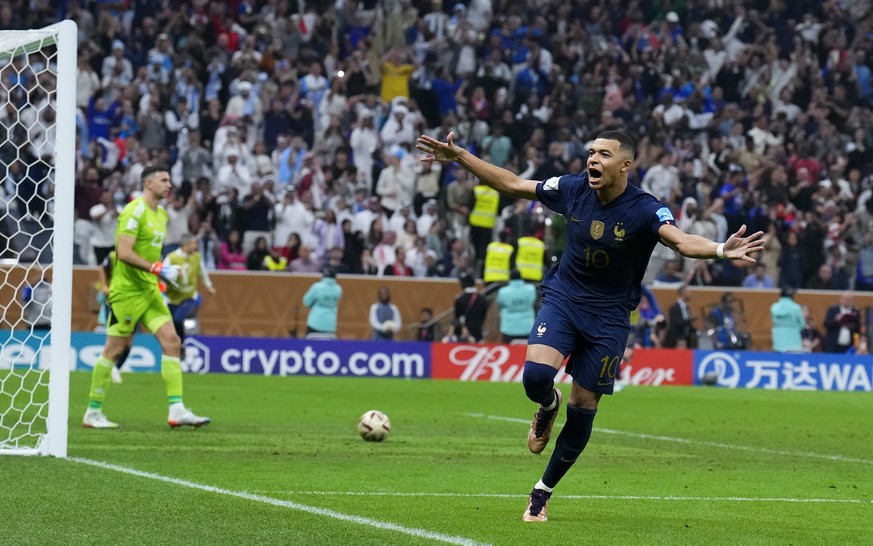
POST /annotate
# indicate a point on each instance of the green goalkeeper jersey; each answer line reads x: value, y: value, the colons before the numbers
x: 149, y: 227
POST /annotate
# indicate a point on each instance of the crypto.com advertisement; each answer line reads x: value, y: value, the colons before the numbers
x: 206, y: 354
x: 276, y: 356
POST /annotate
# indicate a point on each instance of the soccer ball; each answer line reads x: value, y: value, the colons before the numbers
x: 374, y: 426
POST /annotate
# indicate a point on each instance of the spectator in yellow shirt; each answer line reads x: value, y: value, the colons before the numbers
x: 396, y: 73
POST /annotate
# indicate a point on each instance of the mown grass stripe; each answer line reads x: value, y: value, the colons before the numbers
x: 382, y: 525
x: 575, y: 497
x: 644, y: 436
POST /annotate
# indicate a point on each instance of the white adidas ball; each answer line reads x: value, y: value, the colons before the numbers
x: 374, y: 426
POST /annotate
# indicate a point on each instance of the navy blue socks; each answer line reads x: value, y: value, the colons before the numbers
x: 572, y: 440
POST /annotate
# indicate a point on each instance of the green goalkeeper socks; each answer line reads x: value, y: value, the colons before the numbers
x: 100, y: 378
x: 171, y: 371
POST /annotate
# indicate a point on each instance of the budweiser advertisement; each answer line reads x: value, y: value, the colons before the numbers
x: 505, y: 363
x: 659, y: 367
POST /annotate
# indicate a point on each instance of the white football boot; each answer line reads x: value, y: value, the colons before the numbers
x: 94, y: 418
x: 116, y: 375
x: 182, y: 416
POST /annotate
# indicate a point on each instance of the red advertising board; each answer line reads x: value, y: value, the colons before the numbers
x: 505, y: 363
x: 659, y: 367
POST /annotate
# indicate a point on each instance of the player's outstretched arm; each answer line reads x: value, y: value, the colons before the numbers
x: 500, y: 179
x: 736, y: 247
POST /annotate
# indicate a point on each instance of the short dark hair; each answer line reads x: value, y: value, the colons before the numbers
x: 152, y: 169
x: 626, y: 142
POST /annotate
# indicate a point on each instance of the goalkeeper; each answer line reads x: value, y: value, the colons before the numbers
x: 134, y: 296
x: 182, y: 296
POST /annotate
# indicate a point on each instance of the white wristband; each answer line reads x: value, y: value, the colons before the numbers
x: 719, y: 250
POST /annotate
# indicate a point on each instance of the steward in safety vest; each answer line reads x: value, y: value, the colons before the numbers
x: 498, y: 259
x: 484, y: 213
x: 274, y: 261
x: 183, y: 300
x: 529, y: 259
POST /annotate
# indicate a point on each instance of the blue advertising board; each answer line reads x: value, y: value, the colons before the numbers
x: 413, y: 360
x: 262, y: 356
x: 23, y: 349
x: 814, y: 371
x: 282, y: 356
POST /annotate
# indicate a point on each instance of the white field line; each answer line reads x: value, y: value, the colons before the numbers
x: 381, y: 525
x: 577, y: 497
x: 840, y: 458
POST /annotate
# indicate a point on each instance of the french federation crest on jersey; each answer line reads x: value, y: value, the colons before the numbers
x: 596, y: 229
x: 619, y: 232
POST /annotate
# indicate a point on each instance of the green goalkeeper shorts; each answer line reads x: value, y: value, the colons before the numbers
x: 150, y: 310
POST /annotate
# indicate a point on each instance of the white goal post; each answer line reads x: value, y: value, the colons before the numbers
x: 37, y: 163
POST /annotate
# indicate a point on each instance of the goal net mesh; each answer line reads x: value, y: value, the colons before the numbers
x: 28, y: 103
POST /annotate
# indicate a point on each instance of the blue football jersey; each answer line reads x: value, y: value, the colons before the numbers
x: 608, y: 246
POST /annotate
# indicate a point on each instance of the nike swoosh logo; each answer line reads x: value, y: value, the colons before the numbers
x: 573, y: 218
x: 563, y: 460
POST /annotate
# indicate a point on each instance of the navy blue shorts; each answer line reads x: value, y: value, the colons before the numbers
x: 184, y: 310
x: 594, y: 341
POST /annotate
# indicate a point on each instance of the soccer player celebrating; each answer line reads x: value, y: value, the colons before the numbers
x: 134, y: 296
x: 612, y: 229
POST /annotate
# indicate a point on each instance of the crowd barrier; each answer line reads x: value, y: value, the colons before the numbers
x: 455, y: 361
x: 260, y: 304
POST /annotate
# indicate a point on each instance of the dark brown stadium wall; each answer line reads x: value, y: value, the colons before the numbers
x: 263, y: 304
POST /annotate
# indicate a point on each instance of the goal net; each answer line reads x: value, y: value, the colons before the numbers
x: 37, y: 168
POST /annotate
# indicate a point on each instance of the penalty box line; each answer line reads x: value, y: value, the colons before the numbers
x: 644, y: 436
x: 573, y: 497
x: 359, y: 520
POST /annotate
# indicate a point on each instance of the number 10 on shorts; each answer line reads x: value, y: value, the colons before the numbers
x: 608, y: 369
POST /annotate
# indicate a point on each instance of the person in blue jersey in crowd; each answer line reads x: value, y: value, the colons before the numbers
x: 612, y: 228
x: 647, y: 321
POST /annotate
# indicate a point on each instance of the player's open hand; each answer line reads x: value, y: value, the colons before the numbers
x: 444, y: 152
x: 738, y: 247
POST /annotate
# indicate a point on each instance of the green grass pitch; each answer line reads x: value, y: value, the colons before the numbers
x: 282, y: 464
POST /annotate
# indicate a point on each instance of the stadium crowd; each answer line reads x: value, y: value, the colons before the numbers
x: 290, y: 126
